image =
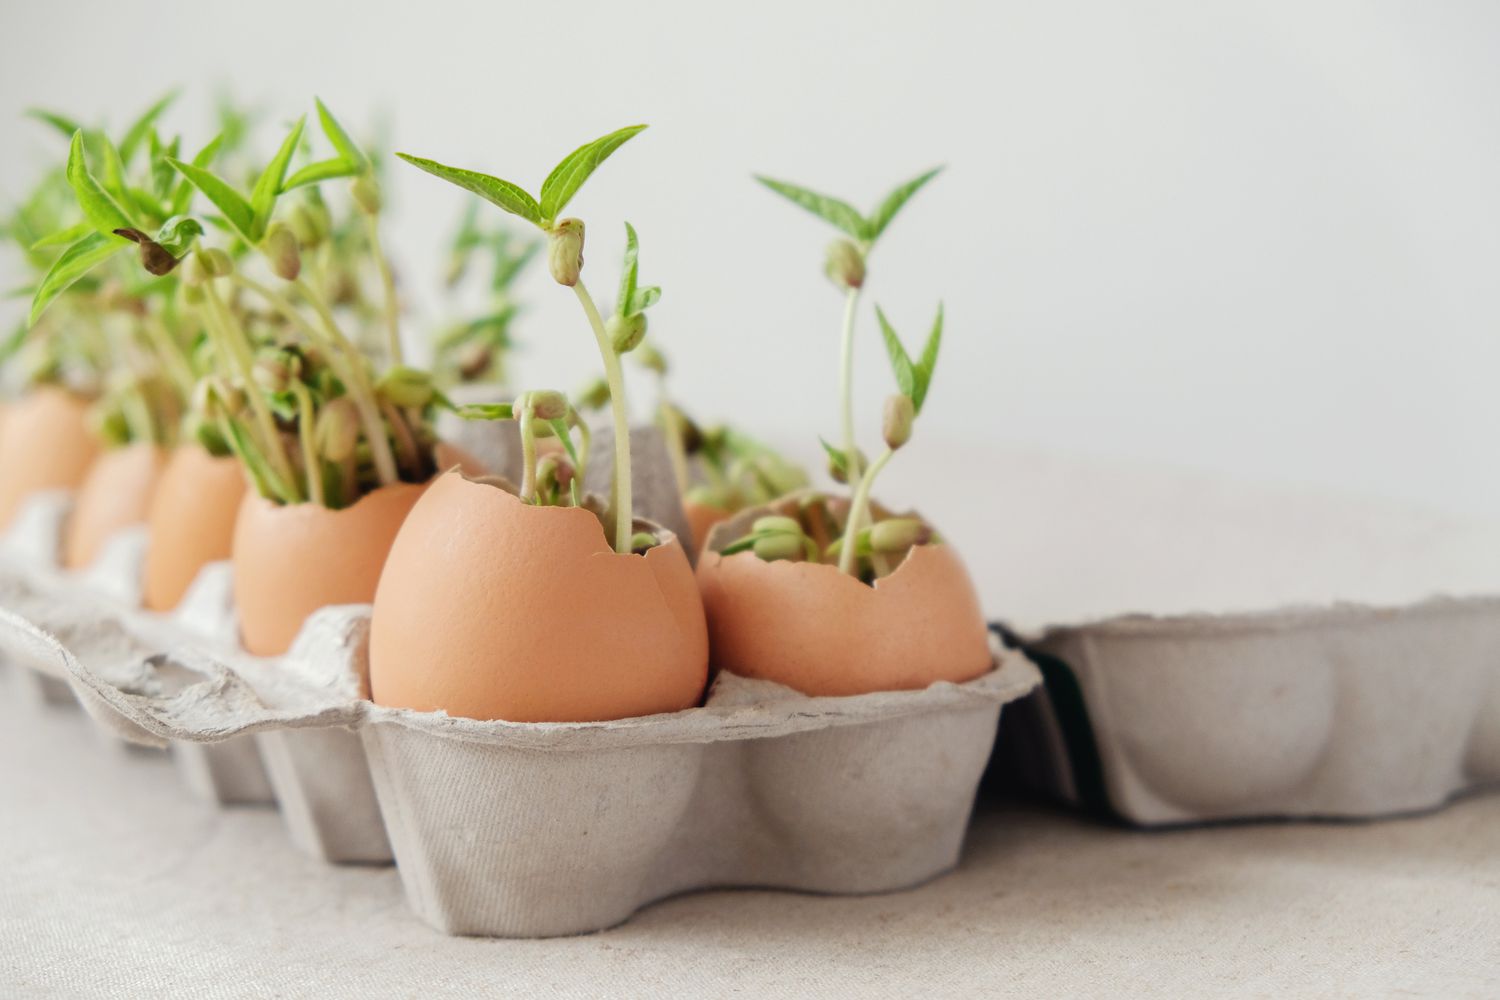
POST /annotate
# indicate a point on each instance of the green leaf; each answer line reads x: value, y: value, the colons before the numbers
x: 924, y: 367
x: 268, y: 186
x: 112, y: 172
x: 62, y: 123
x: 236, y: 209
x: 629, y: 271
x: 887, y: 211
x: 836, y: 456
x: 98, y: 207
x: 340, y: 139
x: 182, y: 196
x: 64, y: 236
x: 906, y: 373
x: 178, y: 234
x: 138, y: 130
x: 163, y: 177
x: 492, y: 189
x: 560, y: 428
x: 829, y: 209
x: 316, y: 173
x: 145, y: 203
x: 78, y: 260
x: 642, y: 299
x: 486, y: 411
x: 568, y: 176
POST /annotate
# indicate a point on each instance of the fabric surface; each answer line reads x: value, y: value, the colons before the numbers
x: 115, y: 883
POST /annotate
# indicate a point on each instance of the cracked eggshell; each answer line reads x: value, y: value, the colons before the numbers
x: 115, y: 494
x: 46, y: 442
x: 822, y: 632
x: 702, y: 518
x: 494, y: 609
x: 291, y: 560
x: 190, y: 522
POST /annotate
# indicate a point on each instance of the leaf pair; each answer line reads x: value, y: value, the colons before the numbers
x: 863, y: 229
x: 633, y: 299
x: 557, y: 190
x: 912, y: 377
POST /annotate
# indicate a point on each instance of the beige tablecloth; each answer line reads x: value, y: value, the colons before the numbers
x: 113, y: 883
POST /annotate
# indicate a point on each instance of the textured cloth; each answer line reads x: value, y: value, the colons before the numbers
x: 114, y: 883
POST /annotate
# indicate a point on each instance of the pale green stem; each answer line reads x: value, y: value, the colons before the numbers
x: 857, y: 511
x: 846, y: 387
x: 358, y: 383
x: 388, y: 282
x: 233, y: 342
x: 624, y: 519
x: 672, y: 424
x: 310, y: 459
x: 528, y: 454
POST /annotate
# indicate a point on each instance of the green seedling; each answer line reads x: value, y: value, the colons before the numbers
x: 565, y: 238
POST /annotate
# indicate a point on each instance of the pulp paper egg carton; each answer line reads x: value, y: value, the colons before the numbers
x: 1288, y: 654
x: 1347, y: 712
x: 528, y: 829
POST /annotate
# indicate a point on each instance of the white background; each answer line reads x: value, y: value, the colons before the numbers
x: 1254, y: 238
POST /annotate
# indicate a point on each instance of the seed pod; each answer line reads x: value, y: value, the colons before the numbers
x: 474, y: 360
x: 565, y: 251
x: 776, y: 524
x: 547, y: 404
x: 310, y: 224
x: 216, y: 263
x: 898, y: 534
x: 899, y: 415
x: 337, y: 431
x: 594, y: 396
x: 626, y: 332
x: 366, y: 192
x: 283, y: 253
x: 649, y: 358
x: 406, y: 387
x: 641, y: 541
x: 773, y: 547
x: 845, y: 264
x: 839, y: 473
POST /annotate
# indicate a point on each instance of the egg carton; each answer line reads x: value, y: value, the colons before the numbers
x: 1340, y: 712
x: 543, y: 829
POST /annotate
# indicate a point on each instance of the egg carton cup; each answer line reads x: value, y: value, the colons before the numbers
x: 1340, y: 712
x: 542, y: 829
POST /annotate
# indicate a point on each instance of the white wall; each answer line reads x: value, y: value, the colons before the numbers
x: 1262, y: 238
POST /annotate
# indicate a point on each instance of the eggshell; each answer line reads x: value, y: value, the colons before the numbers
x: 115, y: 494
x: 46, y: 443
x: 701, y: 518
x: 291, y: 560
x: 822, y: 632
x: 191, y: 521
x: 494, y: 609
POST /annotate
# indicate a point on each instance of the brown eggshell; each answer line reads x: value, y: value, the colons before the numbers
x: 291, y: 560
x: 191, y: 521
x: 494, y: 609
x: 115, y: 494
x: 702, y: 518
x: 46, y: 443
x: 822, y: 632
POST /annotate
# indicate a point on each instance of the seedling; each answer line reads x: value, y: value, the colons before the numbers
x: 475, y: 350
x: 565, y: 237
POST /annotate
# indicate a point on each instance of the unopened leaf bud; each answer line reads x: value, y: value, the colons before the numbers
x: 899, y: 414
x: 474, y: 360
x: 840, y: 473
x: 845, y: 264
x: 282, y: 252
x: 649, y: 358
x: 337, y: 430
x: 547, y: 404
x: 594, y: 396
x: 898, y: 534
x: 309, y: 223
x: 626, y: 332
x: 366, y: 192
x: 406, y: 387
x: 565, y: 251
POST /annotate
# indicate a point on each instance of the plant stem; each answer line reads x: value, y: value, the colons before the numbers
x: 528, y: 454
x: 673, y: 427
x: 388, y: 282
x: 233, y: 343
x: 624, y: 520
x: 857, y: 510
x: 846, y: 388
x: 310, y: 460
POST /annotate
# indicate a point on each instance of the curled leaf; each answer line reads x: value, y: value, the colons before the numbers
x: 154, y: 257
